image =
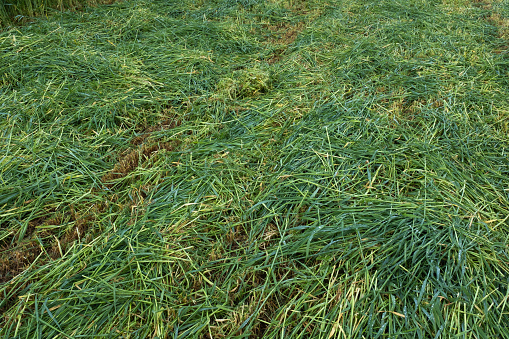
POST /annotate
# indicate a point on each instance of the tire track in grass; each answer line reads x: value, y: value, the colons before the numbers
x: 285, y: 32
x: 31, y: 251
x: 142, y: 151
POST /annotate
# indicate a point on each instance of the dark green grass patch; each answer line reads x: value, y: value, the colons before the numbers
x: 246, y: 169
x: 23, y: 11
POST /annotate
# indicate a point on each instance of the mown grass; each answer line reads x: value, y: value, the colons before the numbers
x: 296, y: 169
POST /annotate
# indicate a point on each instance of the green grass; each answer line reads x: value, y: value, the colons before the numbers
x: 14, y: 11
x: 239, y: 169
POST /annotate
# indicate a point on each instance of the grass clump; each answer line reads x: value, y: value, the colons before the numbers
x: 244, y: 83
x: 246, y: 169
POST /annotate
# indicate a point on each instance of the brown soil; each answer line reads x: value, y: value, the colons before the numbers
x: 283, y: 34
x: 143, y: 151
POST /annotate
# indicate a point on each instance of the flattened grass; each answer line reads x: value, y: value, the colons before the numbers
x: 356, y: 188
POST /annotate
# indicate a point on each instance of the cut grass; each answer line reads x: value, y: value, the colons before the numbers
x: 256, y: 169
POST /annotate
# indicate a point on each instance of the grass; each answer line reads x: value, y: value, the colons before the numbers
x: 15, y: 11
x: 239, y: 169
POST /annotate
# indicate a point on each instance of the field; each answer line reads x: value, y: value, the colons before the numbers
x: 256, y: 168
